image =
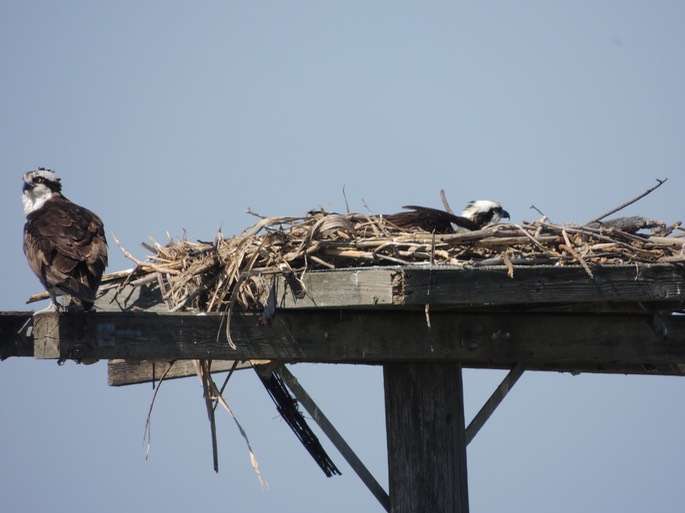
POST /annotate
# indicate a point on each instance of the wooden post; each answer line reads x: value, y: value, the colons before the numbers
x: 424, y: 408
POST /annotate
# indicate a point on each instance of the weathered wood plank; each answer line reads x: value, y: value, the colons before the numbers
x: 123, y: 372
x: 424, y: 408
x: 371, y: 286
x: 452, y: 286
x: 570, y: 342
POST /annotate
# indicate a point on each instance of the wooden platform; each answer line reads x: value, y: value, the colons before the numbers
x: 421, y: 323
x: 547, y: 318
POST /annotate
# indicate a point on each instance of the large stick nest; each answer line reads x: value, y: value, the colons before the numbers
x: 237, y: 271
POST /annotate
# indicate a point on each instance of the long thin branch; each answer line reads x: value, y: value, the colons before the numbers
x: 142, y: 264
x: 445, y: 203
x: 630, y: 202
x: 148, y: 423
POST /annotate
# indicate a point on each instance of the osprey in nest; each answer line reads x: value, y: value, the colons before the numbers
x: 64, y: 243
x: 476, y: 215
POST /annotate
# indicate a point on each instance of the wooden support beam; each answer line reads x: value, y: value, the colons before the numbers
x: 564, y: 342
x: 352, y: 459
x: 493, y: 402
x: 424, y: 408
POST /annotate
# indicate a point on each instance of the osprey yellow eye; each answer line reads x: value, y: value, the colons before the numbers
x: 39, y: 179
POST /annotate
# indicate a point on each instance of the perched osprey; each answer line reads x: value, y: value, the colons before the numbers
x: 475, y: 216
x: 64, y: 243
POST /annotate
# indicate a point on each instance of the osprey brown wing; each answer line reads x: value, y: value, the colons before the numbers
x: 66, y: 248
x: 429, y: 220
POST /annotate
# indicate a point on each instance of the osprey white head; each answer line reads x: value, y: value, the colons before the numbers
x: 484, y: 212
x: 39, y: 186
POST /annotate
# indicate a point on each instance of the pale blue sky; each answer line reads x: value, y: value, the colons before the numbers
x: 177, y: 116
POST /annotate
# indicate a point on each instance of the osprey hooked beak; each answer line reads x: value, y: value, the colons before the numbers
x: 503, y: 214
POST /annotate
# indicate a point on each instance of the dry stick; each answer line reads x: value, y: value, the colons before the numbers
x: 195, y: 269
x: 251, y: 212
x: 533, y: 239
x: 392, y: 259
x: 539, y: 211
x: 347, y: 206
x: 249, y: 271
x: 672, y: 259
x: 139, y: 263
x: 204, y: 373
x: 508, y: 264
x: 223, y: 387
x: 144, y: 280
x: 219, y: 291
x: 193, y: 293
x: 432, y: 257
x: 584, y: 230
x: 669, y: 242
x: 366, y: 205
x: 629, y: 244
x: 321, y: 262
x: 568, y: 247
x: 668, y: 230
x: 148, y: 422
x: 164, y: 290
x: 253, y: 460
x: 229, y: 276
x: 40, y: 296
x: 117, y: 275
x: 630, y: 202
x: 444, y: 202
x: 161, y: 250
